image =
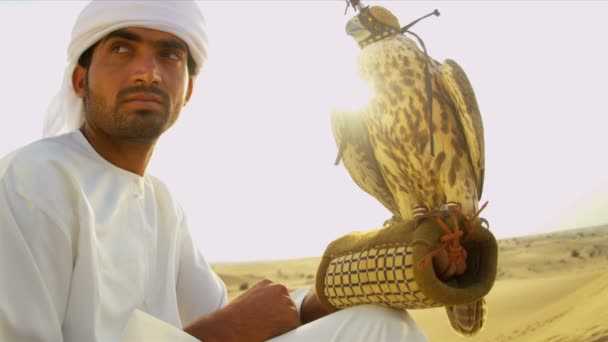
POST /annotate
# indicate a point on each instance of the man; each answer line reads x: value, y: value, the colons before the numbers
x: 88, y: 239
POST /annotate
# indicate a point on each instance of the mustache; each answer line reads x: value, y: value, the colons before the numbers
x: 139, y: 89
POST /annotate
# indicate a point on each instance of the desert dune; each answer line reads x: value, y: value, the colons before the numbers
x: 551, y: 287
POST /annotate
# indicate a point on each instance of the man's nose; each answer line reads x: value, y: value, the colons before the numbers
x: 146, y: 68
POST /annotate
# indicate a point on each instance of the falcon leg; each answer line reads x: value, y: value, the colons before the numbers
x: 419, y: 211
x: 456, y: 253
x: 451, y: 205
x: 456, y: 208
x: 450, y: 259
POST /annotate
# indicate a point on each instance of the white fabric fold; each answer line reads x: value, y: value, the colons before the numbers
x: 143, y: 327
x: 298, y: 296
x: 180, y: 18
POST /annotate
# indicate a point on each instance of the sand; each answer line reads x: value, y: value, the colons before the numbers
x: 551, y: 287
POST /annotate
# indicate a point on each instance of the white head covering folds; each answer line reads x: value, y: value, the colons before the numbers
x: 180, y: 18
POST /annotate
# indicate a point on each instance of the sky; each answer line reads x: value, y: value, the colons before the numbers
x: 251, y: 158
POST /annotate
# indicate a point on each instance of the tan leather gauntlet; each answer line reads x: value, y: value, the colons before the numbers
x: 390, y: 266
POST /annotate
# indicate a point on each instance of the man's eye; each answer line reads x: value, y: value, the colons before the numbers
x: 119, y: 49
x: 172, y: 55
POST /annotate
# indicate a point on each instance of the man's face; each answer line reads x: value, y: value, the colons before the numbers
x: 136, y: 84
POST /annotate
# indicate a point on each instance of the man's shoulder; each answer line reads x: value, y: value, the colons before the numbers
x: 47, y: 166
x: 38, y: 153
x: 40, y: 174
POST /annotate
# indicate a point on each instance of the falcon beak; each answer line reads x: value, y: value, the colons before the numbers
x: 354, y: 27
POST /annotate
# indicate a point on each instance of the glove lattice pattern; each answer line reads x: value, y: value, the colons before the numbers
x: 379, y: 275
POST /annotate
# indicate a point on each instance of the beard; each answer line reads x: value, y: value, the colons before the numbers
x: 128, y: 124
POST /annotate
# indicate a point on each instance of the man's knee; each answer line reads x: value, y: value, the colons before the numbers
x: 361, y: 323
x: 380, y: 323
x: 374, y: 312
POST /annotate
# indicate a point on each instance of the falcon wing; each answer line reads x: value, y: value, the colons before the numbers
x: 357, y: 155
x: 456, y: 84
x: 468, y: 319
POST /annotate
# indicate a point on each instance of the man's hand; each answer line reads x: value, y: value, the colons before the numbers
x: 264, y: 311
x: 311, y: 308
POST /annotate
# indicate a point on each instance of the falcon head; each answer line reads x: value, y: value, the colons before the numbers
x: 372, y: 24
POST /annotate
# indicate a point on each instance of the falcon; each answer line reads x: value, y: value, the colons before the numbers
x: 418, y: 145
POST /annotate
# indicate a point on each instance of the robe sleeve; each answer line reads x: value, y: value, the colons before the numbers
x: 35, y: 267
x: 200, y: 290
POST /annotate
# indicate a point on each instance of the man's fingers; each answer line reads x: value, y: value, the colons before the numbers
x: 262, y: 283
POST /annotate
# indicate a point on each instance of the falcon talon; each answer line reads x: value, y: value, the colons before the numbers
x: 419, y: 211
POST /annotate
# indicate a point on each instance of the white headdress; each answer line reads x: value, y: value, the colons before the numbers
x: 180, y: 18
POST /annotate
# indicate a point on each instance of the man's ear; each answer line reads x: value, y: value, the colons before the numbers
x: 79, y: 81
x: 190, y: 88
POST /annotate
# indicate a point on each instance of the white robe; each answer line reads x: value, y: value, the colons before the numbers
x: 83, y: 244
x: 91, y: 252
